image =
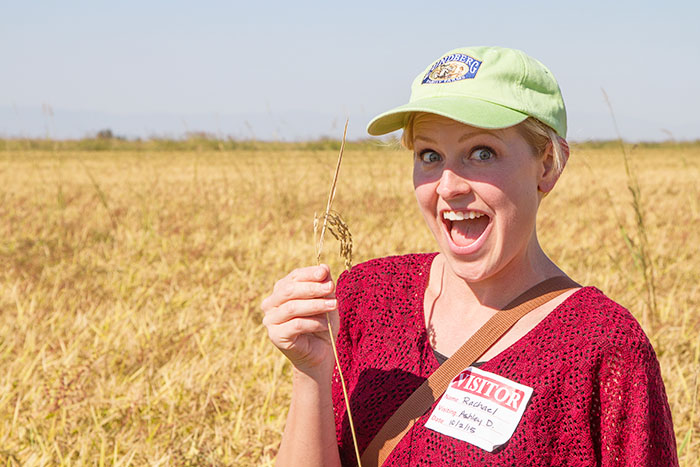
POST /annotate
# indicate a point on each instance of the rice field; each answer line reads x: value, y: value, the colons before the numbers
x: 131, y: 277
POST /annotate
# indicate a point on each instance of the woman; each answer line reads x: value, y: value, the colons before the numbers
x: 487, y: 128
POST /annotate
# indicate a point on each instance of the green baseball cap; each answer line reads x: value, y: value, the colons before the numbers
x: 486, y: 87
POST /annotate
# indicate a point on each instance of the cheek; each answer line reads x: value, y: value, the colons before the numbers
x: 512, y: 199
x: 424, y: 195
x: 517, y: 186
x: 424, y: 186
x: 517, y: 203
x: 419, y: 177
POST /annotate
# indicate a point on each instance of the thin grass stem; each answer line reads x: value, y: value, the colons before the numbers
x: 319, y: 248
x: 331, y: 196
x: 643, y: 253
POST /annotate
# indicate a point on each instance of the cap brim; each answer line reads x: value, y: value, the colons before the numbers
x: 467, y: 110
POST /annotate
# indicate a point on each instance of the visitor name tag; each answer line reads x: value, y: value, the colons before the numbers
x: 480, y: 408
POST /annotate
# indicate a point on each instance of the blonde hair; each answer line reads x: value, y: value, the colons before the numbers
x: 536, y: 133
x: 540, y: 135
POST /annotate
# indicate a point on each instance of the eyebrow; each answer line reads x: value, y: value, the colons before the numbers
x: 425, y: 138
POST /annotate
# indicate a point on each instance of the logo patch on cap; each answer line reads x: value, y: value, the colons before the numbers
x: 451, y: 68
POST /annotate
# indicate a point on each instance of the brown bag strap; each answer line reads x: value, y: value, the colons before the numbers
x: 425, y: 396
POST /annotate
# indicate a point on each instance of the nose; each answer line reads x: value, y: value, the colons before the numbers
x: 452, y: 185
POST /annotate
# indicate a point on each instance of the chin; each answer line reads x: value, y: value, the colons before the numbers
x: 471, y: 272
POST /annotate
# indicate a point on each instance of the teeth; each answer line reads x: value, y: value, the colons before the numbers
x: 460, y: 216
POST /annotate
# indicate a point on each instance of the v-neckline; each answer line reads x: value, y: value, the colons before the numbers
x: 428, y: 351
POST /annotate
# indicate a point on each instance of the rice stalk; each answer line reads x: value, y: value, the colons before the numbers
x: 641, y: 251
x: 339, y: 229
x: 341, y: 232
x: 331, y: 197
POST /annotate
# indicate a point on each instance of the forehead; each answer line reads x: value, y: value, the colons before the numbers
x: 430, y: 126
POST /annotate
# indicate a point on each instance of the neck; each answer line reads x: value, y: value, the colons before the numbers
x: 499, y: 289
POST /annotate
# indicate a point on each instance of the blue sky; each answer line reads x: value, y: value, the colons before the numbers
x: 295, y: 70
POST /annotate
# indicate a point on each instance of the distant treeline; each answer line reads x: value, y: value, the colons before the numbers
x: 186, y: 144
x: 206, y: 143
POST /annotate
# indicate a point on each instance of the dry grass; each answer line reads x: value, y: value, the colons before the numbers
x: 130, y: 286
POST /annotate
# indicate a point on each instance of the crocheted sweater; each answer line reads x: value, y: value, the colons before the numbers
x: 598, y: 397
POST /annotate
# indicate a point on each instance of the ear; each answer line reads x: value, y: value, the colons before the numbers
x: 549, y: 173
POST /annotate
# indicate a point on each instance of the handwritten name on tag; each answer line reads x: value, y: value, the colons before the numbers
x: 481, y: 408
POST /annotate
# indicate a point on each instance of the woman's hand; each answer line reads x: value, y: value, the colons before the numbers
x: 295, y: 317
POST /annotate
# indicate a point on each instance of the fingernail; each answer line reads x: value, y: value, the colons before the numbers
x: 319, y: 273
x: 331, y: 303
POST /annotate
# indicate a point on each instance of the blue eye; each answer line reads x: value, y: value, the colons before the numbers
x: 429, y: 156
x: 482, y: 154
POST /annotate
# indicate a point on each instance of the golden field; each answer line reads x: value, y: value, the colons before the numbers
x: 132, y: 273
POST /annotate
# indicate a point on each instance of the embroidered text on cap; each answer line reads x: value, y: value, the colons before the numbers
x: 451, y: 68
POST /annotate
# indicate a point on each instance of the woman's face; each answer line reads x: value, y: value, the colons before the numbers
x: 478, y: 192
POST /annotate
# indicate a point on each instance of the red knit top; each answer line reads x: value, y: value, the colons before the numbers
x: 598, y: 397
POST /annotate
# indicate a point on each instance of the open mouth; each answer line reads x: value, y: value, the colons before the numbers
x: 465, y: 227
